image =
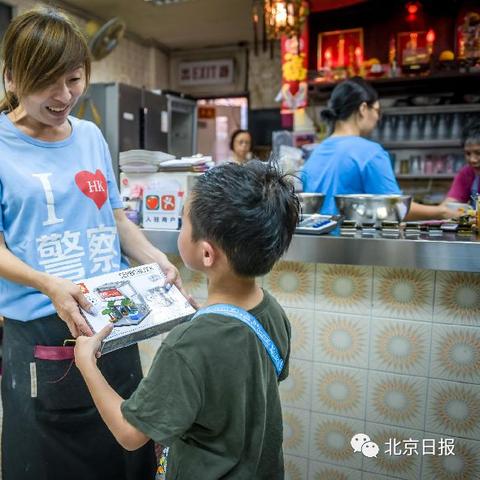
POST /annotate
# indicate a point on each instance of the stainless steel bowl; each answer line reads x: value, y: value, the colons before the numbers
x: 368, y: 208
x: 311, y: 202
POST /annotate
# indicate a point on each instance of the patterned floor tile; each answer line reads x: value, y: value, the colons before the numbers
x: 464, y: 465
x: 341, y: 339
x: 295, y: 390
x: 292, y: 284
x: 400, y: 346
x: 392, y: 459
x: 456, y: 353
x: 457, y: 298
x: 453, y: 409
x: 339, y: 390
x: 376, y: 476
x: 325, y: 471
x: 302, y: 322
x: 295, y: 468
x: 396, y: 399
x: 344, y: 288
x: 296, y: 431
x: 403, y: 293
x: 330, y: 440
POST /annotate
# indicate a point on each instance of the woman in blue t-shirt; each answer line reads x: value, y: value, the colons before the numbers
x: 61, y: 220
x: 346, y: 162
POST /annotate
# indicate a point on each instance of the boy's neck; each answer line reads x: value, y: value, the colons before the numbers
x: 239, y: 291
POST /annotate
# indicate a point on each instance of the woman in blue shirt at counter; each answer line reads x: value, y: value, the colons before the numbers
x: 346, y: 162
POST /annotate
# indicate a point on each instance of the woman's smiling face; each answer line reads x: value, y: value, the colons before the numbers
x: 52, y: 105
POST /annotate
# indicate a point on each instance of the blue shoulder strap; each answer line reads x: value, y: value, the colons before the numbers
x: 253, y: 323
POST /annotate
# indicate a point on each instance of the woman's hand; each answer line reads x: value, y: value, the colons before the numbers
x: 447, y: 213
x: 87, y: 349
x: 169, y: 269
x: 66, y: 297
x: 173, y: 276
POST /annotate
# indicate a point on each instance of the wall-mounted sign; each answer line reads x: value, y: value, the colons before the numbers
x: 208, y: 72
x: 205, y: 113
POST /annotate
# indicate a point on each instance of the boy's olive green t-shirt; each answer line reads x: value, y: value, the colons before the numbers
x: 212, y: 395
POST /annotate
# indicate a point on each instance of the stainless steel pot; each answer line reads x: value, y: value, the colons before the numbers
x: 311, y: 202
x: 368, y: 208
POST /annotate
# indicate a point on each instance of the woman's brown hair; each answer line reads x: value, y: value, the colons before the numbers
x: 39, y: 46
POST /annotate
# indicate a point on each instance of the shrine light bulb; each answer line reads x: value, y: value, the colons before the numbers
x: 430, y: 36
x: 281, y: 13
x: 412, y: 8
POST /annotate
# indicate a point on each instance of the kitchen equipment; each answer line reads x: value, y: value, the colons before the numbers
x: 133, y: 118
x: 116, y: 108
x: 311, y: 202
x: 169, y: 123
x: 366, y: 208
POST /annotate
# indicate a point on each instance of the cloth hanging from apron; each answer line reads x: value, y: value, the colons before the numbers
x: 51, y: 428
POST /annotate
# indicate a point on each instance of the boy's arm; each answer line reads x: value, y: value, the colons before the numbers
x: 106, y: 399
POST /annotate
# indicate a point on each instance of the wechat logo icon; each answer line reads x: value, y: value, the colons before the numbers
x: 361, y: 442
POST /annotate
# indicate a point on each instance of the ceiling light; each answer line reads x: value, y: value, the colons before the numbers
x: 164, y: 2
x: 280, y: 17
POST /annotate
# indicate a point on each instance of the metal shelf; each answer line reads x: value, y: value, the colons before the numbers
x: 404, y: 144
x: 437, y: 83
x: 461, y: 108
x: 414, y: 176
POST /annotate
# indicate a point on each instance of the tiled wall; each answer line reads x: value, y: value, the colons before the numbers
x: 133, y: 64
x: 393, y: 353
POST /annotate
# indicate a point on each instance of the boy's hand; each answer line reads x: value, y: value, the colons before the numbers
x: 87, y: 348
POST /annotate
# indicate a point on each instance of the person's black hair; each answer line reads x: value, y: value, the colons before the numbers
x: 346, y: 99
x: 471, y: 132
x: 235, y: 135
x: 249, y: 211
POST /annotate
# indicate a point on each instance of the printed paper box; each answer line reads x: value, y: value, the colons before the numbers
x: 136, y: 302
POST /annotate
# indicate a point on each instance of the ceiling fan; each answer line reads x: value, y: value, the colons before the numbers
x: 102, y: 39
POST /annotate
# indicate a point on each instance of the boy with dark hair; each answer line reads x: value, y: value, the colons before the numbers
x: 212, y: 391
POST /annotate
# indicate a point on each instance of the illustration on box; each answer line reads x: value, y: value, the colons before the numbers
x: 134, y: 300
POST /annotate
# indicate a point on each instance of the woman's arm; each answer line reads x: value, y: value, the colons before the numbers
x: 64, y: 294
x: 429, y: 212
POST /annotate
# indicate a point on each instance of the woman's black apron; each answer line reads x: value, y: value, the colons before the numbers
x: 51, y: 428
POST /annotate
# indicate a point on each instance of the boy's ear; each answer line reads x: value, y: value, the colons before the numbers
x: 209, y: 254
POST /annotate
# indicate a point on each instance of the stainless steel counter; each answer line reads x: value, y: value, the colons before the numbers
x: 448, y: 252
